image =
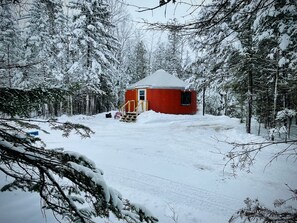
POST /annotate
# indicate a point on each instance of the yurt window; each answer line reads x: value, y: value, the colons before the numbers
x: 185, y: 97
x: 141, y: 95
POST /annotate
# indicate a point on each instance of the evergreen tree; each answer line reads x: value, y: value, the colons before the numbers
x: 130, y: 62
x: 93, y: 49
x: 159, y: 57
x: 11, y: 46
x: 123, y: 31
x: 45, y: 43
x: 137, y: 64
x: 216, y: 46
x: 141, y: 62
x: 173, y: 56
x: 69, y: 184
x: 276, y: 43
x: 230, y: 38
x: 45, y: 47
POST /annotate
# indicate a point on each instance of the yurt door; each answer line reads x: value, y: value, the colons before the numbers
x: 141, y: 100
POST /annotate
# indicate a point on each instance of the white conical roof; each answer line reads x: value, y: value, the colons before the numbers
x: 160, y: 79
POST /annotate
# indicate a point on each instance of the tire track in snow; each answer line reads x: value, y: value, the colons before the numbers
x: 174, y: 192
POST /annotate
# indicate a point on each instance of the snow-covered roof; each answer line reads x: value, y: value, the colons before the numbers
x: 160, y: 79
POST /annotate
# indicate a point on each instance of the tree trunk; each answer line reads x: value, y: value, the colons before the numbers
x: 276, y: 77
x: 87, y: 104
x: 259, y: 129
x: 203, y: 100
x: 289, y: 127
x: 61, y: 108
x: 45, y: 110
x: 71, y: 104
x: 250, y: 70
x: 249, y: 102
x: 56, y: 108
x: 92, y: 104
x: 242, y: 109
x: 225, y: 104
x: 9, y: 71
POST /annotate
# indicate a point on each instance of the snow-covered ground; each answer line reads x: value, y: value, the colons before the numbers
x: 169, y: 163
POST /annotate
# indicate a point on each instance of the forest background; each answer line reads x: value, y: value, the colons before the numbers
x: 242, y: 64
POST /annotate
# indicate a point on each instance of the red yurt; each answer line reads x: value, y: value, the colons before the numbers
x: 160, y: 92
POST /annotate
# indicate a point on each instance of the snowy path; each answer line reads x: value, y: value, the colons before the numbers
x: 167, y: 161
x: 175, y: 192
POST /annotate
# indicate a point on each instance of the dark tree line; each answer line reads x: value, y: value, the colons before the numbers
x: 50, y: 44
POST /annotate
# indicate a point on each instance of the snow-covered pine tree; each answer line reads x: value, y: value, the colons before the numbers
x: 129, y: 66
x: 215, y: 95
x: 93, y: 49
x: 46, y: 48
x: 215, y: 46
x: 174, y: 52
x: 276, y: 38
x: 123, y: 31
x: 136, y: 61
x: 45, y: 40
x: 241, y: 57
x: 11, y: 46
x: 244, y: 14
x: 229, y: 38
x: 159, y: 57
x: 141, y: 61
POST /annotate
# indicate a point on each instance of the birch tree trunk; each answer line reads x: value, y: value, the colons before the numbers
x: 87, y: 104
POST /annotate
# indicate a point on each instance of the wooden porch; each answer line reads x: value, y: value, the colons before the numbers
x: 131, y: 109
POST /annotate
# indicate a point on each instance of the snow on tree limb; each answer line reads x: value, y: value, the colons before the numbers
x: 69, y: 183
x: 66, y: 181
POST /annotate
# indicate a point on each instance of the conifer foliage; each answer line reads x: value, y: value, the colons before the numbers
x: 91, y: 45
x: 251, y: 44
x: 247, y: 57
x: 64, y: 44
x: 69, y: 184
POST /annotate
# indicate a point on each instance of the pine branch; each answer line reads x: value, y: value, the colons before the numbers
x: 12, y: 66
x: 255, y: 212
x: 21, y: 102
x: 36, y: 169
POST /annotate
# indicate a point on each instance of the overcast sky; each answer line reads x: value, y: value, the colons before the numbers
x: 163, y: 14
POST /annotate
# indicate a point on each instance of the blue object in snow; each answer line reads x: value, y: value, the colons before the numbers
x: 34, y: 133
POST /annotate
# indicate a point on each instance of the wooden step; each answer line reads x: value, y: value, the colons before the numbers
x: 129, y: 117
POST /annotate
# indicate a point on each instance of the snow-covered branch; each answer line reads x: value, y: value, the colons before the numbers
x: 242, y: 156
x: 67, y: 182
